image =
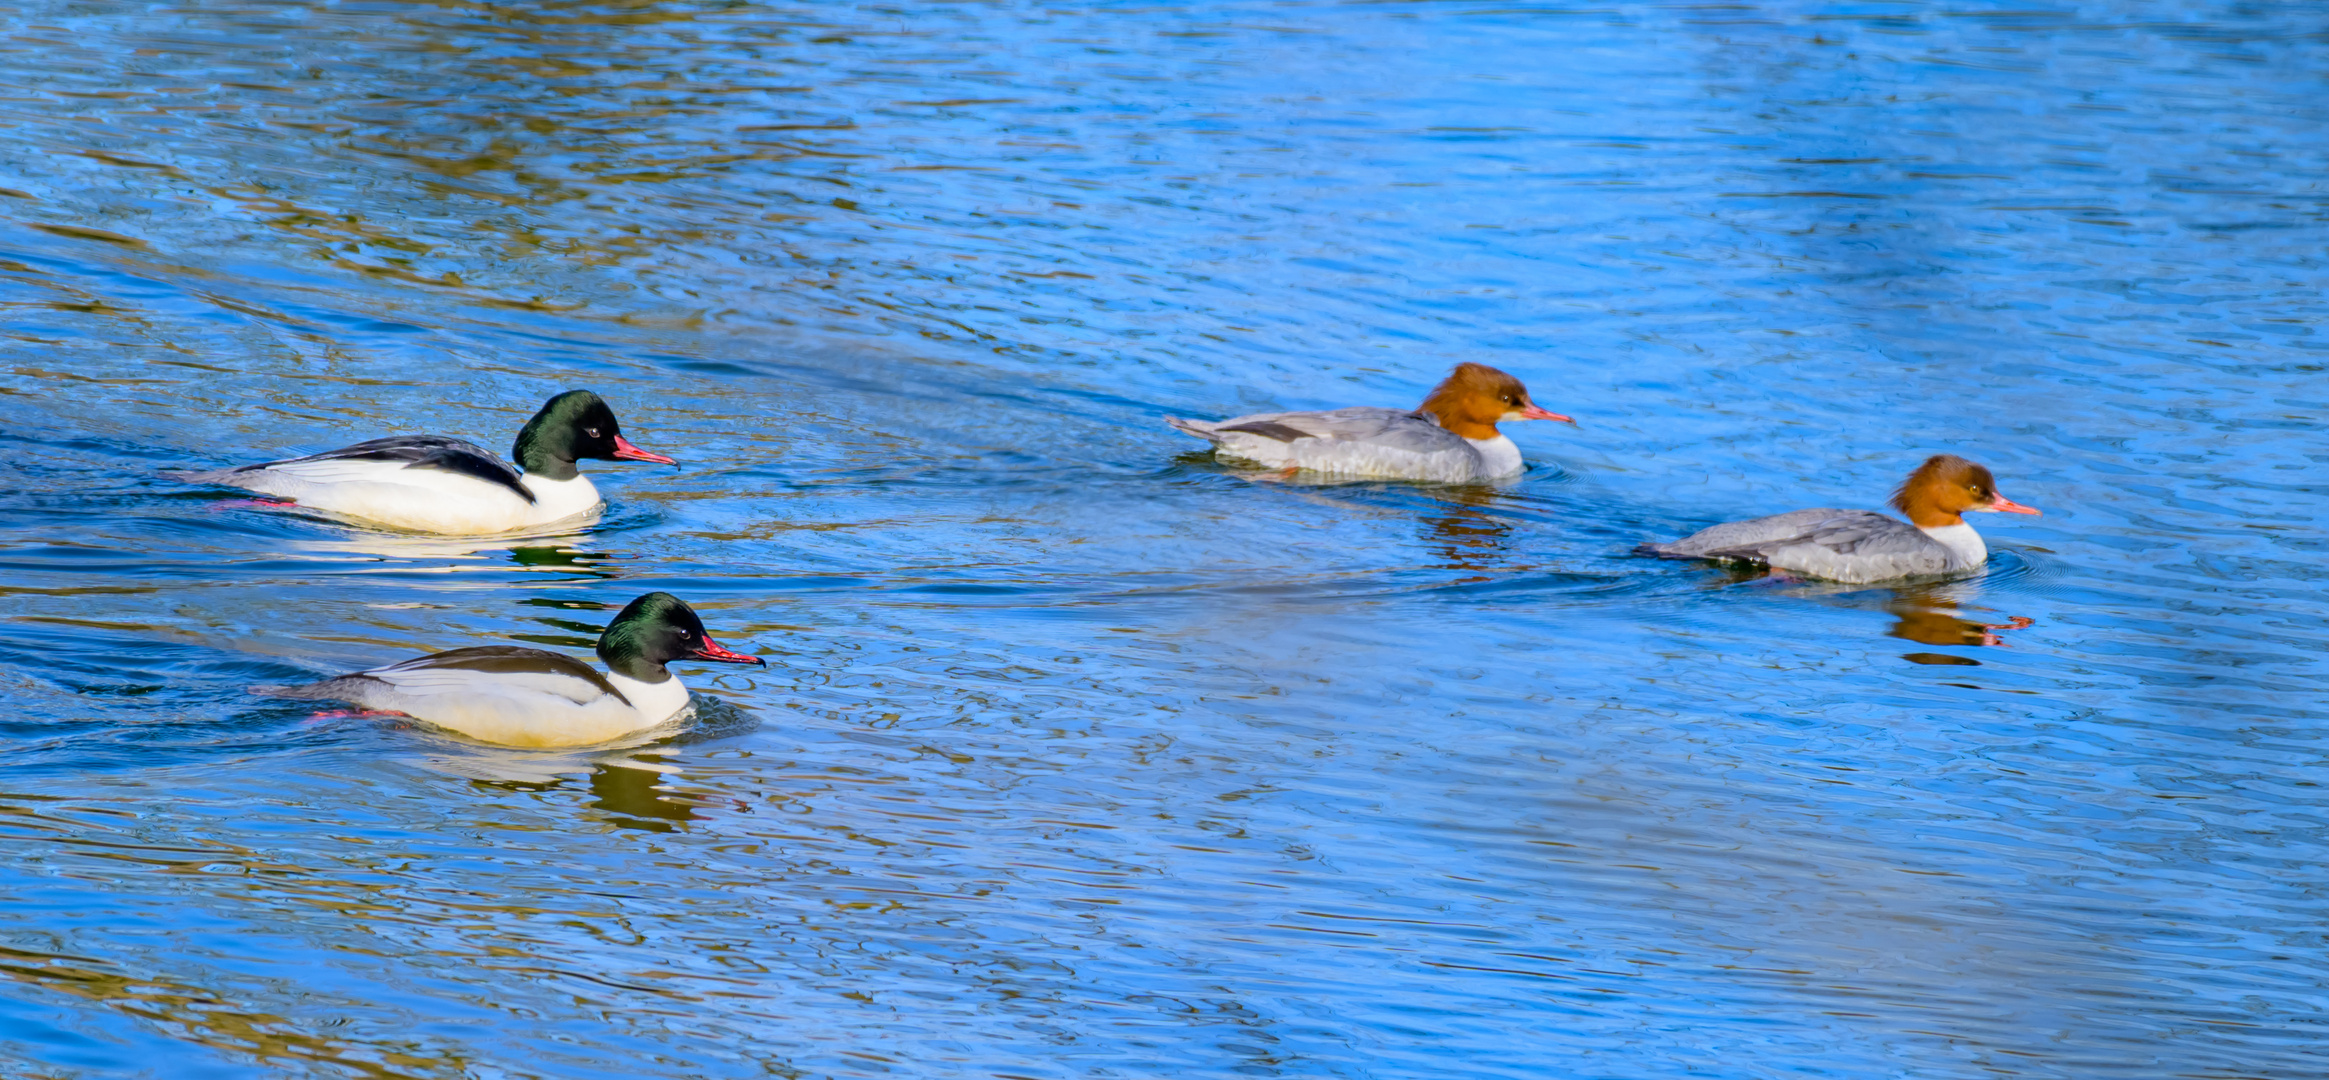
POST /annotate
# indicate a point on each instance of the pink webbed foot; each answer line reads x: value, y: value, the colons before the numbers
x: 1280, y: 475
x: 345, y: 714
x: 264, y: 501
x: 1272, y: 476
x: 2019, y: 622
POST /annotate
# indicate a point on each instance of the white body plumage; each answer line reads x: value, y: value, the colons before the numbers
x: 510, y: 696
x: 421, y: 500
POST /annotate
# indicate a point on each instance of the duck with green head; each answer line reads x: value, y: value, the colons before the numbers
x: 532, y: 697
x: 438, y: 484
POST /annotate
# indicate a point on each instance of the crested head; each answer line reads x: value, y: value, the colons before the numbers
x: 574, y: 425
x: 1946, y: 486
x: 569, y: 427
x: 1474, y: 398
x: 654, y: 630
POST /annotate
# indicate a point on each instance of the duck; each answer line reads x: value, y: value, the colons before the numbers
x: 1861, y: 546
x: 515, y: 696
x: 447, y: 486
x: 1451, y: 438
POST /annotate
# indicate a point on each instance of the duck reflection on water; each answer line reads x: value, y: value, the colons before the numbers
x: 639, y: 789
x: 640, y: 782
x: 548, y: 553
x: 565, y: 557
x: 1928, y: 615
x: 1468, y: 535
x: 640, y: 795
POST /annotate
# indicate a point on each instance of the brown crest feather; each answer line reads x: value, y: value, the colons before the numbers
x: 1942, y: 489
x: 1470, y: 400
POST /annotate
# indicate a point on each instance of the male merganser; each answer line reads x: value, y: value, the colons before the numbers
x: 431, y: 483
x: 1860, y: 546
x: 1450, y: 438
x: 530, y: 697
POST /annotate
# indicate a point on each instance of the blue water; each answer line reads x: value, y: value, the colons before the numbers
x: 1080, y: 754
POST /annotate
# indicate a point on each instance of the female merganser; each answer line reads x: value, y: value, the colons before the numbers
x: 431, y: 483
x: 1450, y: 438
x: 1860, y: 546
x: 529, y: 697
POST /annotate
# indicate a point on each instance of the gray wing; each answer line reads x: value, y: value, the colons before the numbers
x: 439, y: 452
x: 1397, y: 429
x: 1739, y: 534
x: 1842, y: 545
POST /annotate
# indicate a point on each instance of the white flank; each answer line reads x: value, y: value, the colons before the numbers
x: 1458, y: 463
x: 537, y: 709
x: 532, y: 709
x: 422, y: 500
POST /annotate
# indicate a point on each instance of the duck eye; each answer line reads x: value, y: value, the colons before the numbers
x: 590, y: 431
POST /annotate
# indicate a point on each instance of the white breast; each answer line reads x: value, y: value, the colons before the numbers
x: 557, y: 500
x: 656, y: 702
x: 1498, y: 457
x: 1965, y: 546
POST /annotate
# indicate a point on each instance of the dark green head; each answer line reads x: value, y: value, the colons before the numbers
x: 574, y: 425
x: 655, y: 630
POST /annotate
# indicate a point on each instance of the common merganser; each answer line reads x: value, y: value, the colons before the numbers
x: 1859, y: 546
x: 436, y: 484
x: 1450, y: 438
x: 531, y: 697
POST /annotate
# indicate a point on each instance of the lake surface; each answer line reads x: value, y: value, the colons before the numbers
x: 1079, y: 754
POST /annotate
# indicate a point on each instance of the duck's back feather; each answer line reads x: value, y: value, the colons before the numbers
x: 1363, y: 441
x: 1840, y: 545
x: 369, y: 460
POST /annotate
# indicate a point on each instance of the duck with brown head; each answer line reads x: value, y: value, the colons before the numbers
x: 1451, y: 438
x: 1862, y: 545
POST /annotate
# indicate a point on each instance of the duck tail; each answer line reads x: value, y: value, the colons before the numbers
x: 201, y: 476
x: 240, y: 476
x: 1202, y: 429
x: 325, y: 690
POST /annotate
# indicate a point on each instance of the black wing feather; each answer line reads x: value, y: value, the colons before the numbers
x: 1270, y: 429
x: 509, y: 660
x: 488, y: 659
x: 441, y: 452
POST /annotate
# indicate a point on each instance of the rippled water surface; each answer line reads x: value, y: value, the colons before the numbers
x: 1078, y: 753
